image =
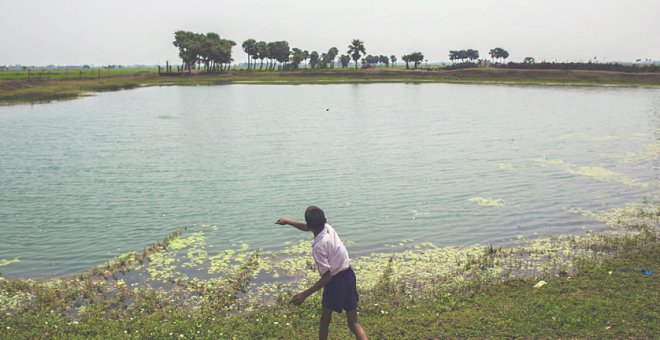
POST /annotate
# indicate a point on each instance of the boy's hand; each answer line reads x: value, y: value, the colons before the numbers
x: 298, y: 299
x: 283, y: 221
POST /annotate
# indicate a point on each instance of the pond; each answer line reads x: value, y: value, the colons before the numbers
x: 391, y: 164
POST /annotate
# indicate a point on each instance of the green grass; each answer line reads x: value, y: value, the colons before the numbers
x: 61, y: 86
x: 54, y: 74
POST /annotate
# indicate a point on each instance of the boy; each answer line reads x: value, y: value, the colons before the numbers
x: 337, y: 277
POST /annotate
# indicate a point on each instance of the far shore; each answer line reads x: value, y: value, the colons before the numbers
x: 35, y: 91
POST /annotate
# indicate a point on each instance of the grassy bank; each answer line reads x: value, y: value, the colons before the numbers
x: 594, y: 289
x: 23, y: 91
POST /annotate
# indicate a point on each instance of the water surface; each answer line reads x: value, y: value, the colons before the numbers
x: 82, y: 181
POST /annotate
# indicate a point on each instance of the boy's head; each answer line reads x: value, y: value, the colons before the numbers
x: 315, y: 218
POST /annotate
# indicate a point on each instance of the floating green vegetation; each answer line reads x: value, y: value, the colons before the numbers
x: 505, y: 166
x: 596, y: 172
x: 588, y: 137
x: 180, y: 243
x: 8, y: 262
x: 602, y: 174
x: 644, y: 215
x: 545, y: 161
x: 489, y: 202
x: 647, y: 153
x: 182, y: 275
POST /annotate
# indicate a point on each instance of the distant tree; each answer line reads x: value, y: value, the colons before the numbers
x: 271, y: 54
x: 314, y: 59
x: 472, y: 54
x: 323, y: 60
x: 262, y: 52
x: 416, y: 58
x: 250, y: 48
x: 225, y: 52
x: 385, y: 60
x: 453, y: 56
x: 406, y: 59
x: 371, y: 60
x: 505, y: 54
x: 305, y: 56
x: 529, y: 60
x: 462, y: 55
x: 281, y: 52
x: 492, y: 53
x: 331, y: 55
x: 356, y: 50
x: 345, y: 60
x: 187, y: 43
x: 297, y: 56
x: 204, y: 49
x: 393, y: 59
x: 498, y: 53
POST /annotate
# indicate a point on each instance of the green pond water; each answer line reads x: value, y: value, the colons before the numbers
x: 392, y: 164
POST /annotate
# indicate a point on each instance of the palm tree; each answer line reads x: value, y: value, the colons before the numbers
x: 416, y: 58
x: 344, y: 59
x: 384, y: 60
x: 332, y: 54
x: 393, y: 59
x: 356, y: 50
x: 314, y: 59
x: 249, y: 47
x: 305, y: 56
x: 296, y: 57
x: 262, y: 52
x: 406, y: 59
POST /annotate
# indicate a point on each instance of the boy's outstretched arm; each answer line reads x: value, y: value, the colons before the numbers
x: 299, y: 298
x: 285, y: 220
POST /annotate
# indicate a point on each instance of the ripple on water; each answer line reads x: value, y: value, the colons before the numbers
x: 86, y: 180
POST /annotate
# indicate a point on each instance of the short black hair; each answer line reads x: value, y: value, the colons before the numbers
x: 315, y: 218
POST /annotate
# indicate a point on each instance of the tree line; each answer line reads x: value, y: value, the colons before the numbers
x: 198, y: 50
x: 471, y: 55
x: 209, y: 52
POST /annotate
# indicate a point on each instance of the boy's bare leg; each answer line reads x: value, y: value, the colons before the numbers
x: 354, y: 325
x: 326, y: 317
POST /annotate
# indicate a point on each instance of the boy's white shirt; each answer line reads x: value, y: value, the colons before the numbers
x: 329, y: 252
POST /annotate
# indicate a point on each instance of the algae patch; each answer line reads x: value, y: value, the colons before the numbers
x: 505, y: 166
x: 488, y: 202
x: 185, y: 274
x: 4, y: 262
x: 595, y: 172
x: 647, y: 153
x: 644, y: 215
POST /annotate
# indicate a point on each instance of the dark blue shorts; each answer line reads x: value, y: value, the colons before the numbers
x: 341, y: 292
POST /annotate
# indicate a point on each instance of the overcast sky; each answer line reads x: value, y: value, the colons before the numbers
x: 62, y: 32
